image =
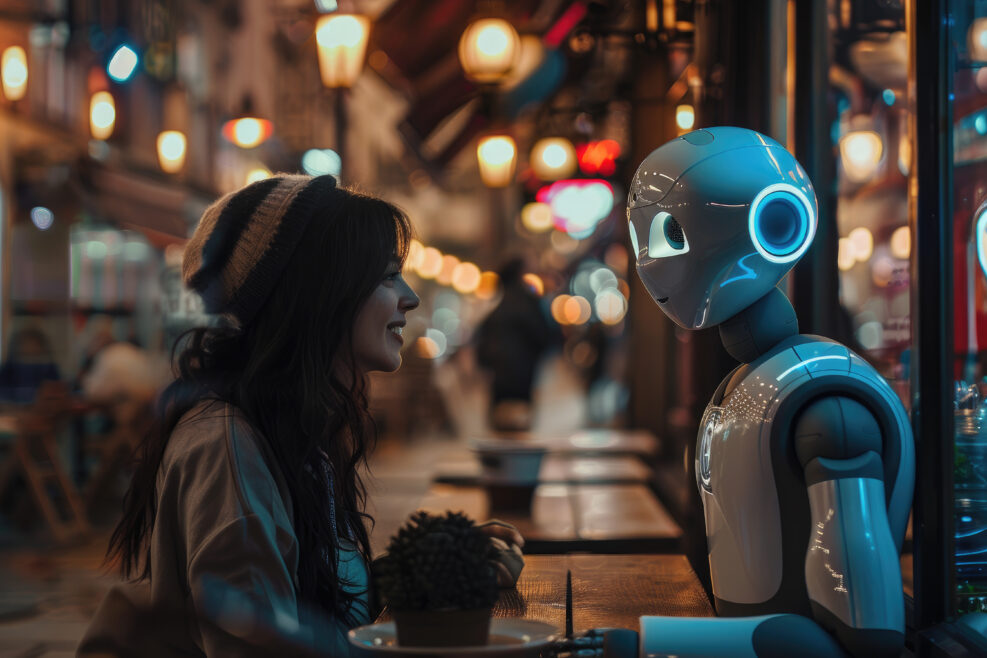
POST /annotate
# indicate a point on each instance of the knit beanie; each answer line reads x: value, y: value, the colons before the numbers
x: 245, y: 239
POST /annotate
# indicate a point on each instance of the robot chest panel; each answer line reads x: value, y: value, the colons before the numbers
x: 740, y: 499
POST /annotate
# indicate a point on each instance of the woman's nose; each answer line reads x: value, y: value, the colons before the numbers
x: 409, y: 300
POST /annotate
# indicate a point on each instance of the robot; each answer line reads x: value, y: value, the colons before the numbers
x: 805, y: 457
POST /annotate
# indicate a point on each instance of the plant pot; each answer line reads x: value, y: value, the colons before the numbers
x: 442, y: 628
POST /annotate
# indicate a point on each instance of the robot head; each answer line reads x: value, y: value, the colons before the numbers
x: 716, y: 218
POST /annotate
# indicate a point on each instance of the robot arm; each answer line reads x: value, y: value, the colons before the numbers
x: 852, y: 569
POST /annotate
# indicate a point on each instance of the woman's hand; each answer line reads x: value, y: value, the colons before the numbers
x: 508, y: 542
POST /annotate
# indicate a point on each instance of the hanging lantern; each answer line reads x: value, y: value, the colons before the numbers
x: 342, y: 43
x: 685, y: 118
x: 102, y: 115
x: 553, y: 158
x: 171, y: 151
x: 861, y: 152
x: 488, y: 49
x: 497, y: 156
x: 13, y: 70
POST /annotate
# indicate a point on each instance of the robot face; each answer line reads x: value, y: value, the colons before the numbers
x: 716, y: 218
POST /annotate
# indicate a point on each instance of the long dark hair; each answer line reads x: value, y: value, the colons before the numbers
x: 282, y: 372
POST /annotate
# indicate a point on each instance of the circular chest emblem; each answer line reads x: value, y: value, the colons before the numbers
x: 711, y: 424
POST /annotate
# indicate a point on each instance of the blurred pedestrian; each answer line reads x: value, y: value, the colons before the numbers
x: 29, y: 364
x: 510, y: 344
x: 244, y: 522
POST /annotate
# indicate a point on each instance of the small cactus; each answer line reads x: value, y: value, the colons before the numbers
x: 438, y: 563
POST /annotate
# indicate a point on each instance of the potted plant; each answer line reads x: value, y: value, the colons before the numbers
x: 438, y: 580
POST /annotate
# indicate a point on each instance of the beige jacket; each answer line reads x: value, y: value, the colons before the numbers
x: 223, y: 557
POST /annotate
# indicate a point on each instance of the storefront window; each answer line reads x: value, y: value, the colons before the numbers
x: 968, y: 142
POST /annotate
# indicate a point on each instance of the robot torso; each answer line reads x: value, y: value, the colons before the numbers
x: 752, y: 485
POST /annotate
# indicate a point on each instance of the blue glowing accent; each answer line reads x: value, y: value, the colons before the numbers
x: 888, y: 96
x: 123, y: 62
x: 807, y: 362
x: 781, y: 223
x: 980, y: 123
x: 967, y: 519
x: 633, y: 232
x: 748, y: 272
x: 981, y: 228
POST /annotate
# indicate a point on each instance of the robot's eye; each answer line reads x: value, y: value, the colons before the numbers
x: 666, y: 237
x: 782, y: 223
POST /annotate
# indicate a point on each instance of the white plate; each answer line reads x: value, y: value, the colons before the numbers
x: 508, y: 637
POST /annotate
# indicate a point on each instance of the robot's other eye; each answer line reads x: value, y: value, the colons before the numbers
x: 781, y: 223
x: 666, y: 237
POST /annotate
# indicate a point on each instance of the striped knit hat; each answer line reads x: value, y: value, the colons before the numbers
x: 245, y: 239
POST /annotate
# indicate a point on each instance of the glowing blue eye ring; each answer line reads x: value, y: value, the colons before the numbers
x: 791, y: 249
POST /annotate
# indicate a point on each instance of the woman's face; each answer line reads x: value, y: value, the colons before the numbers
x: 380, y: 321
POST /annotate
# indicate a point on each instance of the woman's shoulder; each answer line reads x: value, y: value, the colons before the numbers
x: 214, y: 429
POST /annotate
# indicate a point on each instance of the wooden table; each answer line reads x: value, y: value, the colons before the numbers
x: 595, y: 441
x: 565, y: 517
x: 556, y: 469
x: 608, y: 591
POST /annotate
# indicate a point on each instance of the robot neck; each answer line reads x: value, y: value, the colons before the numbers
x: 759, y: 327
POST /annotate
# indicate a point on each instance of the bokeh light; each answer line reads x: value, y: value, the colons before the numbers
x: 431, y: 263
x: 577, y: 310
x: 901, y: 242
x: 534, y: 283
x: 558, y: 308
x: 466, y: 278
x: 845, y: 258
x: 13, y: 73
x: 861, y: 242
x: 416, y: 255
x: 860, y: 153
x: 42, y: 217
x: 446, y: 268
x: 685, y: 117
x: 488, y: 285
x: 171, y: 151
x: 322, y: 162
x: 553, y: 158
x: 122, y: 63
x: 102, y: 115
x: 537, y: 217
x: 610, y: 306
x: 258, y: 173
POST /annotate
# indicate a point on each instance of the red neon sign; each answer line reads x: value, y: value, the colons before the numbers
x: 598, y: 157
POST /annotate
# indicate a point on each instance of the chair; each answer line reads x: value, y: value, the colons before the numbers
x: 34, y: 456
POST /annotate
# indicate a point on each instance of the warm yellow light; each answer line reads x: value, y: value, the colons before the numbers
x: 497, y: 156
x: 905, y: 153
x: 427, y: 347
x: 558, y: 308
x: 553, y: 158
x: 449, y: 264
x: 577, y: 310
x: 537, y: 217
x: 685, y: 117
x: 860, y: 152
x: 416, y: 254
x: 977, y: 39
x: 13, y: 72
x: 862, y: 243
x: 171, y: 151
x: 342, y: 43
x: 488, y: 49
x: 466, y: 278
x: 901, y: 243
x: 247, y: 132
x: 258, y: 173
x: 845, y: 259
x: 488, y: 285
x: 535, y: 283
x: 431, y: 263
x: 102, y: 115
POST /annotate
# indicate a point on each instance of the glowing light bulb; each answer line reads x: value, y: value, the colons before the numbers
x: 537, y: 217
x: 488, y: 49
x: 553, y: 158
x: 497, y: 156
x: 13, y: 72
x: 102, y: 115
x: 171, y: 151
x: 341, y: 40
x: 258, y: 173
x: 685, y: 117
x: 860, y: 152
x: 862, y: 243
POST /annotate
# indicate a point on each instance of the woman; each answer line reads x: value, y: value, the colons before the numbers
x: 244, y: 521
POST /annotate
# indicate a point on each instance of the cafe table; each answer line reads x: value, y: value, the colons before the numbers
x: 608, y: 591
x: 562, y: 518
x: 466, y: 470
